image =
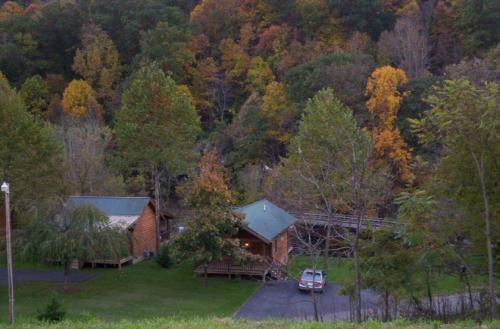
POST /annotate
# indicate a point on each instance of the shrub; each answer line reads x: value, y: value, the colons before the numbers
x: 163, y: 258
x: 53, y: 311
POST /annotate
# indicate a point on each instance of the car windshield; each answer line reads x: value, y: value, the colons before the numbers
x: 308, y: 276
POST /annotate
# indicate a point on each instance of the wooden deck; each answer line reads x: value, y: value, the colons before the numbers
x: 77, y: 264
x: 261, y: 269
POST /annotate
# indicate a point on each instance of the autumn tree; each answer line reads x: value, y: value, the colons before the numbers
x: 156, y: 129
x: 218, y: 19
x: 10, y: 8
x: 385, y: 98
x: 210, y: 231
x: 79, y: 100
x: 28, y: 150
x: 97, y: 61
x: 464, y: 120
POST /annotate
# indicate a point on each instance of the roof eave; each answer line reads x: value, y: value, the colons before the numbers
x: 249, y: 230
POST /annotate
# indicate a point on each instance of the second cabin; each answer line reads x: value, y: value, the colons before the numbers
x: 264, y: 233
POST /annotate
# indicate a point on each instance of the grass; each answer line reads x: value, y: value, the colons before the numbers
x: 137, y: 292
x: 214, y: 323
x: 340, y: 270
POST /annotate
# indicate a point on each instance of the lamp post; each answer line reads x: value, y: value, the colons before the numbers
x: 10, y: 276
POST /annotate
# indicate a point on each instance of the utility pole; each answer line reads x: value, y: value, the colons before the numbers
x: 10, y: 276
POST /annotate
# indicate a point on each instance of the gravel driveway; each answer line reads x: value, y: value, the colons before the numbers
x: 282, y: 299
x: 23, y: 276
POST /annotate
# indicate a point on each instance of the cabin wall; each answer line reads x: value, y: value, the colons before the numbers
x: 253, y: 244
x: 143, y: 237
x: 280, y: 247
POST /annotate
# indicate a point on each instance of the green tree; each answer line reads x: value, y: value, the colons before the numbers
x: 387, y: 265
x: 30, y: 157
x: 422, y: 231
x: 464, y: 120
x: 329, y: 168
x: 168, y: 46
x: 209, y: 235
x: 57, y: 34
x: 367, y: 16
x: 35, y: 94
x: 78, y: 232
x: 156, y: 128
x: 478, y: 23
x: 345, y: 73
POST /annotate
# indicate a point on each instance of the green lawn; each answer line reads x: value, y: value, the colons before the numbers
x: 140, y: 291
x: 340, y: 270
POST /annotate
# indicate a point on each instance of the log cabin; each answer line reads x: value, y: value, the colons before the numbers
x: 136, y: 216
x: 265, y: 233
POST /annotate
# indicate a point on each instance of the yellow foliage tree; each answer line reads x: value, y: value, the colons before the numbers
x: 385, y: 98
x: 259, y: 75
x: 79, y: 99
x: 97, y: 60
x: 278, y: 112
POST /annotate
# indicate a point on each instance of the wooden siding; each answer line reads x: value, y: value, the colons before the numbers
x: 143, y: 236
x: 280, y: 247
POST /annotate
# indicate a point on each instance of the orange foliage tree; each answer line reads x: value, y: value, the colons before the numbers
x: 385, y: 97
x: 79, y: 99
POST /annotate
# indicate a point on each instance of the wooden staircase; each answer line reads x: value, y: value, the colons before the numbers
x: 276, y: 270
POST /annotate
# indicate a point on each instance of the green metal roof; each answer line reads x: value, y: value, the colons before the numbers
x: 112, y: 206
x: 266, y: 219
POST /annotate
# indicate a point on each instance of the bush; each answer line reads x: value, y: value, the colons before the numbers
x: 53, y: 311
x: 163, y: 258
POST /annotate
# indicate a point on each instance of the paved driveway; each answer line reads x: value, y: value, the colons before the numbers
x: 23, y: 276
x: 282, y: 299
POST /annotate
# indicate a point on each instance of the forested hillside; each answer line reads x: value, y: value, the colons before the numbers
x: 248, y: 67
x: 384, y: 108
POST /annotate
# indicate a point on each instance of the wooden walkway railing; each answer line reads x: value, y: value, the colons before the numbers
x: 346, y: 221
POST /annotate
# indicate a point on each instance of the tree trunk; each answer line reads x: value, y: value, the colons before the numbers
x: 357, y: 288
x: 205, y: 274
x: 156, y: 178
x: 67, y: 268
x: 489, y: 247
x: 429, y: 291
x: 357, y: 270
x: 327, y: 245
x: 315, y: 305
x: 386, y: 305
x: 469, y: 290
